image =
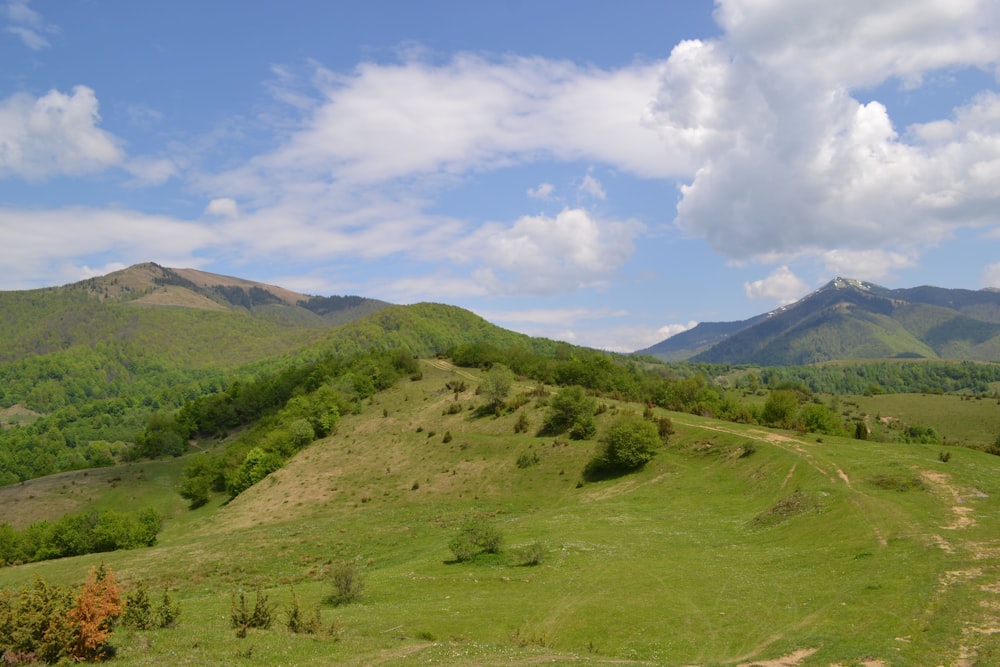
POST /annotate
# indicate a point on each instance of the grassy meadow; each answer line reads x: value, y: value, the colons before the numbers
x: 736, y: 545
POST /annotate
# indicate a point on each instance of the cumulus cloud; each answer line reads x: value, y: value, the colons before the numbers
x: 54, y: 134
x: 27, y: 24
x: 542, y: 254
x: 784, y: 158
x: 782, y: 286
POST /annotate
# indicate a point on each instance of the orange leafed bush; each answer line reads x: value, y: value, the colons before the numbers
x: 97, y: 606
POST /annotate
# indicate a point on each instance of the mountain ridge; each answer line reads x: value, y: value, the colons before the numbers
x: 850, y: 319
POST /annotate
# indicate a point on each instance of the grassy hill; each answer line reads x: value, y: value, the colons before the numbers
x: 736, y: 545
x: 85, y: 365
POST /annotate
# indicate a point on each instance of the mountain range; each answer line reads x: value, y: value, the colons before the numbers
x: 851, y: 319
x: 171, y: 309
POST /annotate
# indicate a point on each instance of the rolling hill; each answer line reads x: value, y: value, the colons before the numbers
x: 851, y: 319
x: 83, y: 366
x: 736, y: 545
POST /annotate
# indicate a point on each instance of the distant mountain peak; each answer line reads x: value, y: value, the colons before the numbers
x: 852, y: 319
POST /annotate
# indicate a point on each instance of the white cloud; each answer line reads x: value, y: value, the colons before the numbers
x: 40, y: 245
x: 669, y: 330
x: 151, y: 171
x: 543, y: 191
x: 542, y: 254
x: 223, y: 207
x: 866, y: 264
x: 991, y: 276
x: 785, y: 161
x: 54, y: 134
x: 592, y: 187
x: 782, y: 286
x: 27, y: 24
x: 389, y: 121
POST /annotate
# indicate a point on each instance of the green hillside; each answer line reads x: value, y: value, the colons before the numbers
x: 84, y: 366
x: 735, y: 545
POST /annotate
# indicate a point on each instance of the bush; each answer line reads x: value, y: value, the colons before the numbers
x: 242, y: 618
x: 531, y: 555
x: 781, y: 408
x: 138, y: 613
x: 168, y: 612
x: 528, y: 459
x: 476, y: 536
x: 348, y: 584
x: 97, y: 607
x: 296, y: 621
x: 571, y: 410
x: 522, y: 424
x: 629, y: 444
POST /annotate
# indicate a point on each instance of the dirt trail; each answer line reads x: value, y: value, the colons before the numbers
x: 988, y: 620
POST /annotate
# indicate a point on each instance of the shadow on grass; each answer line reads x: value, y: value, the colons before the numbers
x: 599, y: 472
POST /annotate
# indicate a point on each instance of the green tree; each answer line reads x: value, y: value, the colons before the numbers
x: 571, y: 410
x: 821, y: 419
x: 257, y: 465
x: 495, y: 386
x: 781, y: 408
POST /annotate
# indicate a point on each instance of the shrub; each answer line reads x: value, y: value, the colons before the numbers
x: 476, y: 536
x: 629, y: 444
x: 97, y: 607
x: 138, y: 613
x: 296, y: 622
x: 522, y: 424
x: 168, y: 611
x: 584, y: 428
x: 531, y: 555
x: 571, y: 409
x: 781, y: 408
x: 528, y: 459
x: 242, y: 618
x: 348, y: 584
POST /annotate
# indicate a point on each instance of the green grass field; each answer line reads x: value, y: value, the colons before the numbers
x: 736, y: 546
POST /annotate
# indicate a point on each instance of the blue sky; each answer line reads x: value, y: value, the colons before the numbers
x: 603, y: 173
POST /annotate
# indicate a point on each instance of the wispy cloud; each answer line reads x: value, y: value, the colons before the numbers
x: 27, y: 24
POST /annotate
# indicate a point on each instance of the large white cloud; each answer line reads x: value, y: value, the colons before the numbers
x: 54, y: 134
x: 787, y: 161
x: 415, y: 119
